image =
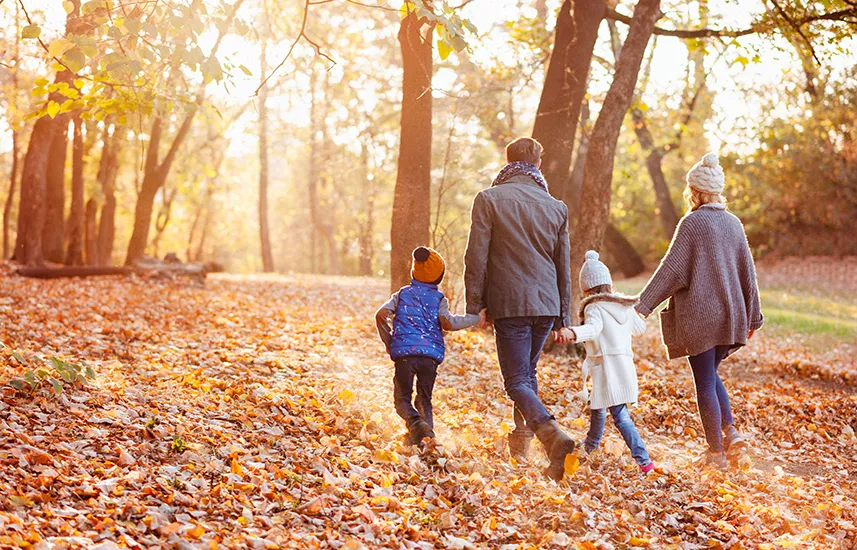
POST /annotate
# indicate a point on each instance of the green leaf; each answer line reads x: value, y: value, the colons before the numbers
x: 90, y: 373
x: 57, y: 386
x: 31, y: 31
x: 30, y: 377
x: 17, y: 384
x: 19, y: 358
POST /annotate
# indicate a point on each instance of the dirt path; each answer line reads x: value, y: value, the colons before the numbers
x: 256, y: 412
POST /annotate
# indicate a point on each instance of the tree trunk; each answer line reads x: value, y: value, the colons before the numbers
x: 91, y: 232
x: 571, y: 197
x: 412, y: 197
x: 367, y: 224
x: 565, y: 87
x: 53, y: 230
x: 623, y: 253
x: 13, y: 183
x: 107, y: 170
x: 155, y: 174
x: 666, y: 208
x: 264, y: 234
x: 598, y: 170
x: 76, y: 221
x: 31, y: 206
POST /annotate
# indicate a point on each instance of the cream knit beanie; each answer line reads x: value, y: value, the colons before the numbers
x: 594, y: 272
x: 707, y: 175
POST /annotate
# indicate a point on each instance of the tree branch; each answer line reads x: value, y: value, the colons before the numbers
x: 796, y: 27
x: 301, y: 34
x: 757, y: 27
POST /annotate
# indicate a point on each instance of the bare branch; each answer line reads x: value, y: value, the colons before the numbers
x: 757, y: 27
x: 301, y: 34
x: 796, y: 27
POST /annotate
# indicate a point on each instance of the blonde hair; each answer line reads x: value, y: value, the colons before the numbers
x: 696, y: 198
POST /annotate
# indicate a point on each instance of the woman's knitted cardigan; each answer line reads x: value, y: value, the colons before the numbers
x: 709, y: 277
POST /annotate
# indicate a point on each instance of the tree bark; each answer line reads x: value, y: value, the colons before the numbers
x: 565, y: 87
x: 76, y: 220
x: 107, y: 170
x: 31, y: 206
x: 91, y: 232
x: 53, y: 230
x: 622, y: 252
x: 598, y: 170
x: 264, y: 234
x: 412, y: 196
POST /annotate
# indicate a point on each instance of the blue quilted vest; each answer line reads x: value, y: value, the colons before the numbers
x: 416, y: 329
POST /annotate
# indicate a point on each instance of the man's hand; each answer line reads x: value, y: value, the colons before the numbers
x: 484, y: 320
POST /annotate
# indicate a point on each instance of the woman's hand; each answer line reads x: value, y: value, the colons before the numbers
x: 751, y: 333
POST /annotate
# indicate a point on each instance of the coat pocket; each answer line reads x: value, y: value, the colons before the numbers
x: 668, y: 324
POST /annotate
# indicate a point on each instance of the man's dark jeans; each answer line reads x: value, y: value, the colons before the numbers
x: 424, y: 369
x: 519, y: 344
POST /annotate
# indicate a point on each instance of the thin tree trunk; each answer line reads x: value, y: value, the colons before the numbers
x: 91, y: 232
x: 412, y: 197
x: 565, y: 87
x: 264, y: 234
x: 622, y: 252
x: 163, y: 217
x: 13, y: 183
x: 13, y: 105
x: 156, y: 171
x: 76, y: 219
x: 107, y: 170
x: 367, y: 224
x: 53, y: 231
x: 598, y: 171
x: 666, y: 207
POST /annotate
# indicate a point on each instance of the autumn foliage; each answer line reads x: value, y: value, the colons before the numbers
x: 257, y: 413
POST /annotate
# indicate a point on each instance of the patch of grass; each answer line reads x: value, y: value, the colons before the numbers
x: 823, y: 317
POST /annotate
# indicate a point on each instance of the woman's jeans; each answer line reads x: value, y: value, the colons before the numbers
x: 519, y: 345
x: 711, y: 397
x: 622, y: 419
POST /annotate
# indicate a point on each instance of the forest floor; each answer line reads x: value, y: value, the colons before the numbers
x: 256, y: 412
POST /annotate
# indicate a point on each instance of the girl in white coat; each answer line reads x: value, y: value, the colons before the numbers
x: 610, y: 321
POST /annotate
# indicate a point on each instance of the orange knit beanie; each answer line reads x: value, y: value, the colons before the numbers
x: 428, y: 265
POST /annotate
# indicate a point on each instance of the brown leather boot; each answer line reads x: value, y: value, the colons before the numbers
x: 558, y: 445
x: 519, y: 446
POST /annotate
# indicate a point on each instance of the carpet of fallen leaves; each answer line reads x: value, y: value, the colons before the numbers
x: 256, y: 413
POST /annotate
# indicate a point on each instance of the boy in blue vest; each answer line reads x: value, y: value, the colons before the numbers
x: 420, y: 314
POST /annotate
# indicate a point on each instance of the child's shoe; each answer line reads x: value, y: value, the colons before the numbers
x: 418, y: 431
x: 733, y: 441
x: 519, y: 446
x: 714, y: 460
x: 648, y: 468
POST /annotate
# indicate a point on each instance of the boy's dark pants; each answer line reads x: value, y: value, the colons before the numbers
x: 424, y: 369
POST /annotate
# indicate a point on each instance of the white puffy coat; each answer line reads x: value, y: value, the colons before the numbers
x: 610, y: 321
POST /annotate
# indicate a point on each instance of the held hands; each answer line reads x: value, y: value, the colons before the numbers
x: 564, y: 336
x: 750, y: 334
x: 484, y: 320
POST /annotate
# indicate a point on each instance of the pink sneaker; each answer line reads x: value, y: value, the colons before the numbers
x: 648, y: 467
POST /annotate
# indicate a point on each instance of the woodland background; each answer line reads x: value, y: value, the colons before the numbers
x: 145, y: 134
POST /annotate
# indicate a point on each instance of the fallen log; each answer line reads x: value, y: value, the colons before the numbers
x: 71, y: 271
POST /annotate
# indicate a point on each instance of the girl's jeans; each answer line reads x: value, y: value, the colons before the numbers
x: 711, y: 397
x: 622, y: 419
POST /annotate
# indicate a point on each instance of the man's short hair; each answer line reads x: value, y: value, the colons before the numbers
x: 524, y: 149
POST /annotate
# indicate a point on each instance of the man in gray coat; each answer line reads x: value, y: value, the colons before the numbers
x: 517, y: 273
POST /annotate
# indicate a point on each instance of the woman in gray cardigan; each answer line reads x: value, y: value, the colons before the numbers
x: 710, y: 280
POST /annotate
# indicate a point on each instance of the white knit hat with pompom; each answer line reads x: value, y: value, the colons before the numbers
x: 594, y: 272
x: 707, y: 175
